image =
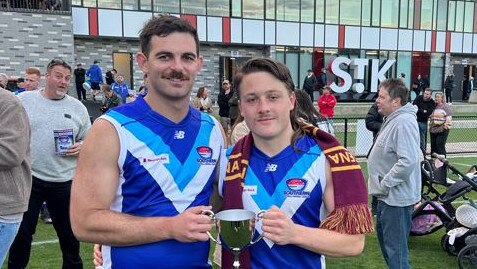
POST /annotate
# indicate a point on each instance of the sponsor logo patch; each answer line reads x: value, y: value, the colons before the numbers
x: 162, y: 159
x: 205, y: 155
x: 296, y: 188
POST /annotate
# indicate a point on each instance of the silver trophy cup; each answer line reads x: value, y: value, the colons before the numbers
x: 236, y: 228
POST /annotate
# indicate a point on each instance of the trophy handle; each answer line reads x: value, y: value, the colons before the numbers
x: 211, y: 214
x: 259, y: 217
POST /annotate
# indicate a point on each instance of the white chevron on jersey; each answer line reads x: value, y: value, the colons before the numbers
x: 314, y: 175
x: 181, y: 199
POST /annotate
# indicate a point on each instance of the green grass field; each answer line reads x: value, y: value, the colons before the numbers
x: 425, y: 251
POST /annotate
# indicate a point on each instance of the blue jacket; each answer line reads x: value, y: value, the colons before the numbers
x: 121, y: 90
x: 95, y: 74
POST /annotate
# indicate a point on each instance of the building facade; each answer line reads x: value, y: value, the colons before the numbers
x: 371, y: 39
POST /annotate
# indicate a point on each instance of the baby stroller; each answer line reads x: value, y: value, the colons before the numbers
x: 436, y: 209
x: 431, y: 214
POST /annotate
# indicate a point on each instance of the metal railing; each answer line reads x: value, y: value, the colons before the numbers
x: 44, y: 6
x: 352, y: 133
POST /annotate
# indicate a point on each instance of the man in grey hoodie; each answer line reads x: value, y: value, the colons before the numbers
x: 394, y: 172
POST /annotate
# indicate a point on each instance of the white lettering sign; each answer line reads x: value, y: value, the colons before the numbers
x: 358, y: 65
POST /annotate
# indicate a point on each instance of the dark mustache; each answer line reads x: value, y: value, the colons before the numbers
x: 176, y: 75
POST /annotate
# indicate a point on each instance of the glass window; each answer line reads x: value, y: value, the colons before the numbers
x: 426, y: 14
x: 441, y: 15
x: 366, y: 13
x: 291, y: 60
x: 389, y: 16
x: 193, y: 7
x: 236, y: 8
x: 305, y: 64
x: 288, y: 10
x: 320, y: 11
x: 76, y: 2
x: 410, y: 18
x: 146, y: 5
x: 166, y: 6
x: 252, y: 9
x: 437, y: 71
x: 469, y: 17
x: 332, y: 11
x: 307, y: 8
x: 109, y: 4
x: 349, y: 9
x: 218, y: 8
x: 459, y: 16
x: 129, y: 4
x: 280, y: 54
x: 403, y: 14
x: 89, y: 3
x: 404, y: 66
x: 270, y: 9
x: 451, y: 20
x: 375, y: 13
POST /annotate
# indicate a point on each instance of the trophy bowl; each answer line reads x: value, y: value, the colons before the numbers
x: 236, y: 229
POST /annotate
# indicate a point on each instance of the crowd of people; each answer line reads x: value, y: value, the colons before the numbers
x: 157, y: 162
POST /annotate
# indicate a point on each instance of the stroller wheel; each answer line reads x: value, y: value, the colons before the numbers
x: 451, y: 249
x: 467, y: 257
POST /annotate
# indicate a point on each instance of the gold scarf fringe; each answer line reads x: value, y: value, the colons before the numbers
x: 350, y: 219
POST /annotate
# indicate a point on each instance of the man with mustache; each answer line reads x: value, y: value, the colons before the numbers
x: 58, y: 124
x: 148, y: 167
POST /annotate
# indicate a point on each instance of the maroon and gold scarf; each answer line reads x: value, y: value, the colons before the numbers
x: 351, y: 214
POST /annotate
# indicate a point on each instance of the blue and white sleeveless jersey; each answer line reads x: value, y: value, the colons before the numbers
x: 165, y: 168
x: 294, y: 181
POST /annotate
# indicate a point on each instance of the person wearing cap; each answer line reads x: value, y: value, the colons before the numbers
x: 80, y: 78
x: 95, y: 75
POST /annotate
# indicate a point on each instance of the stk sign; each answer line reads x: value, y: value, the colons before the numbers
x: 358, y: 65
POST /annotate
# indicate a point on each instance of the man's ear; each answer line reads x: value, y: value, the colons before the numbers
x: 141, y: 60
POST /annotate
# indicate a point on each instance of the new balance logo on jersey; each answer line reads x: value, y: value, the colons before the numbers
x: 271, y: 167
x: 179, y: 135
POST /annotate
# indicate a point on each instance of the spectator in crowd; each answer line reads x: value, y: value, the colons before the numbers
x: 15, y: 174
x: 466, y: 88
x: 58, y: 125
x: 142, y: 91
x: 202, y: 101
x: 322, y: 80
x: 327, y: 103
x: 80, y: 78
x: 157, y: 159
x: 309, y: 84
x: 111, y: 99
x: 373, y: 122
x: 3, y: 80
x: 110, y: 76
x: 308, y: 112
x: 419, y: 85
x: 223, y: 101
x: 239, y: 130
x: 394, y: 172
x: 449, y: 85
x: 95, y: 77
x: 441, y: 121
x: 281, y: 151
x: 32, y: 79
x: 233, y: 109
x: 121, y: 88
x: 20, y: 86
x: 425, y: 106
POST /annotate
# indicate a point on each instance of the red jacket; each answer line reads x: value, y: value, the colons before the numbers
x: 326, y: 105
